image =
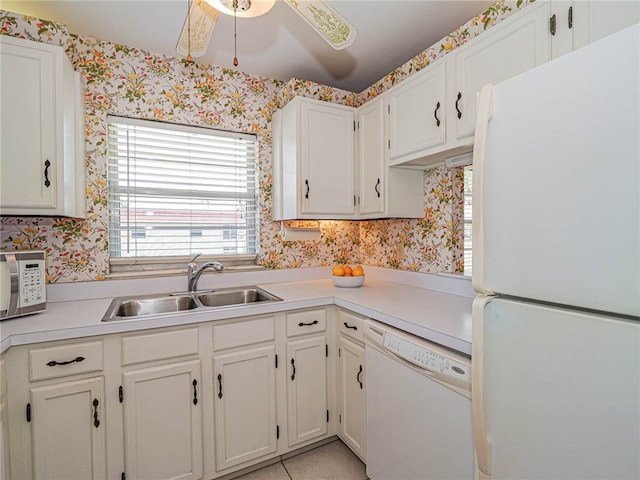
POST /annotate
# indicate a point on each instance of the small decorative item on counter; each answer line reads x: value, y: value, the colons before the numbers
x: 345, y: 276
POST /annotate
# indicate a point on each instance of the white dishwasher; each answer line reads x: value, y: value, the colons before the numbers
x: 418, y: 408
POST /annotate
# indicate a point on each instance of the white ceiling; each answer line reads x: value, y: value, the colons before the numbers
x: 279, y: 44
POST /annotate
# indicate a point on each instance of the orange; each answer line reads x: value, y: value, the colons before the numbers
x: 338, y: 271
x: 347, y: 270
x: 358, y: 271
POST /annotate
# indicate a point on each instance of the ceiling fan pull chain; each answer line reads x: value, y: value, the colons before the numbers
x: 189, y: 58
x: 235, y: 33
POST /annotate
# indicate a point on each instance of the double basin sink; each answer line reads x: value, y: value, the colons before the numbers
x: 124, y: 308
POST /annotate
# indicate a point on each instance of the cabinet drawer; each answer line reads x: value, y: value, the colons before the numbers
x: 63, y: 360
x: 310, y: 321
x: 350, y: 325
x: 245, y: 332
x: 160, y: 345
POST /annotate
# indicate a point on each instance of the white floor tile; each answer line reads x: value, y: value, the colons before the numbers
x: 333, y: 461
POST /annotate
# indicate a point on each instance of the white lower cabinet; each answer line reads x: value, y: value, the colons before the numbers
x: 244, y: 392
x: 308, y: 415
x: 68, y: 431
x: 351, y: 399
x: 350, y: 382
x: 306, y: 367
x: 191, y: 402
x: 56, y: 416
x: 163, y: 421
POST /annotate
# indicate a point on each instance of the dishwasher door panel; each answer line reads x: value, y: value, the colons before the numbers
x: 417, y: 429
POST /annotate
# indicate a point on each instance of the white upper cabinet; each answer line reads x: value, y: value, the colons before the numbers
x: 416, y: 114
x: 324, y: 169
x: 317, y: 151
x: 42, y: 139
x: 515, y: 46
x: 371, y: 158
x: 578, y: 23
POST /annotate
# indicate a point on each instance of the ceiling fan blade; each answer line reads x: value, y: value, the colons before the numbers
x: 329, y: 24
x: 200, y: 21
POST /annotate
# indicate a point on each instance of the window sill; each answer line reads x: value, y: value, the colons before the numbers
x: 176, y: 271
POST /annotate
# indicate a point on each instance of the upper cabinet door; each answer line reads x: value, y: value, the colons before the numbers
x: 327, y: 149
x: 599, y: 18
x: 416, y: 114
x: 516, y: 45
x: 30, y: 152
x: 42, y: 135
x: 371, y: 157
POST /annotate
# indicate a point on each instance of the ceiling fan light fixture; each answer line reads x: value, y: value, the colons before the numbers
x: 246, y: 8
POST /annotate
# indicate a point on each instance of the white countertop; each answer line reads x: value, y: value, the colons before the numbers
x: 433, y: 314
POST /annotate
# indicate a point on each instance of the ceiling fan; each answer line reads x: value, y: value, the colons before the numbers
x: 203, y: 14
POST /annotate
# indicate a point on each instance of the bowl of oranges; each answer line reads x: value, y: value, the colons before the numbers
x: 345, y: 276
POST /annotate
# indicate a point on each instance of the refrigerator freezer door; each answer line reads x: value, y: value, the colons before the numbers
x: 561, y: 392
x: 561, y: 181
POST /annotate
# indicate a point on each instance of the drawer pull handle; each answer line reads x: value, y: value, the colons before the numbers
x: 435, y: 114
x: 353, y: 327
x: 195, y: 392
x: 293, y: 365
x: 302, y: 324
x: 47, y: 164
x: 457, y: 108
x: 96, y: 422
x: 219, y: 385
x: 53, y: 363
x: 358, y: 376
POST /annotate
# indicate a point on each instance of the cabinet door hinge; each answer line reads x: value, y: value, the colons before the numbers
x: 120, y: 394
x: 28, y: 412
x: 326, y: 350
x: 277, y: 432
x: 276, y: 360
x: 570, y: 17
x: 327, y: 416
x: 552, y: 24
x: 389, y: 109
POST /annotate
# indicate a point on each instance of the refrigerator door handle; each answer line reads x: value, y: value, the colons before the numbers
x: 482, y: 443
x: 485, y: 113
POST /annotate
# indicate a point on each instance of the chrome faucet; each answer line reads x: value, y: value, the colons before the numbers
x: 194, y: 272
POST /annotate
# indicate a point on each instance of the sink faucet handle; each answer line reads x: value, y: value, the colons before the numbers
x: 195, y: 257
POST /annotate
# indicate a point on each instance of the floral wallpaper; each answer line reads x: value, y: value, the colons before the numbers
x: 123, y: 80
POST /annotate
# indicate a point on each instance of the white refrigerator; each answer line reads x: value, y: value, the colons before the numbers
x: 556, y: 265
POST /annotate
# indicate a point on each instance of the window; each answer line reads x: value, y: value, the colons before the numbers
x: 175, y: 191
x: 468, y: 184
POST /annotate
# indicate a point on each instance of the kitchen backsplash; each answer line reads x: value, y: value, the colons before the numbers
x: 123, y: 80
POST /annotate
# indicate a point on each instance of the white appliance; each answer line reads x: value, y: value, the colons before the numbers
x: 556, y: 261
x: 418, y: 408
x: 22, y: 283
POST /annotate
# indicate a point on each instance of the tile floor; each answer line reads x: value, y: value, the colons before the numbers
x: 333, y: 461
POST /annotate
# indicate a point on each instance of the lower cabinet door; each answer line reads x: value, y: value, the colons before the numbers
x: 68, y: 430
x: 351, y: 397
x: 245, y: 405
x: 163, y: 422
x: 307, y: 389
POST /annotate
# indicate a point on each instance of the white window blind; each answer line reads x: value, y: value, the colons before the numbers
x: 468, y: 183
x: 176, y: 190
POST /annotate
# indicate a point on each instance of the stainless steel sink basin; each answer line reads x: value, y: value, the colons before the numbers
x: 241, y: 296
x: 124, y: 308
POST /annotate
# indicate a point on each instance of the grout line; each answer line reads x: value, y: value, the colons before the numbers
x: 285, y: 469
